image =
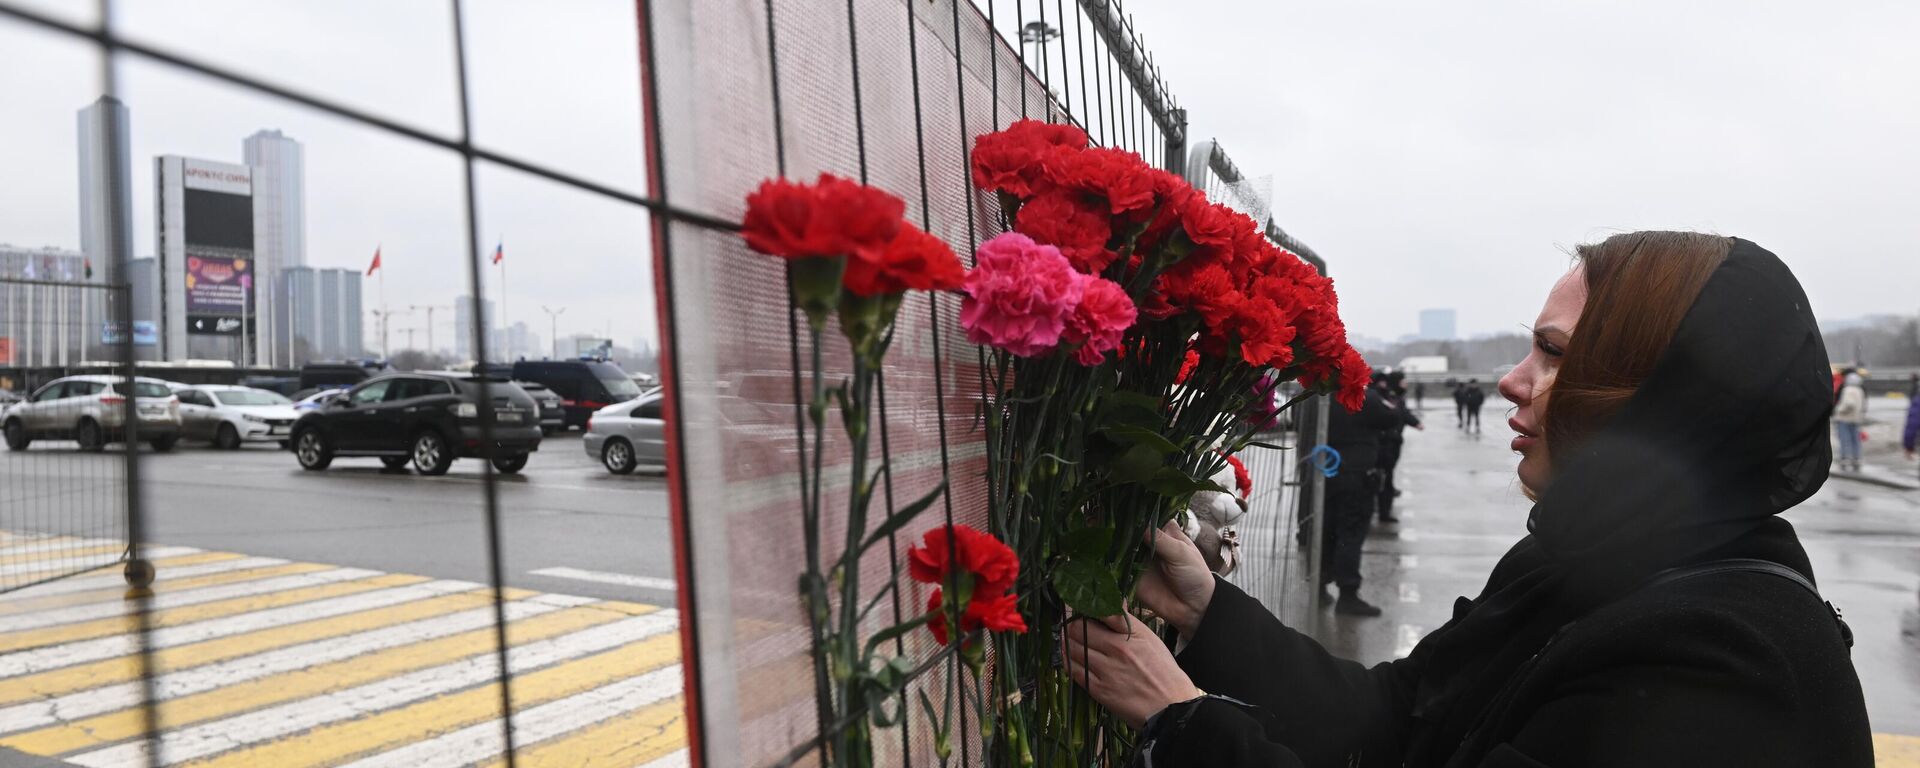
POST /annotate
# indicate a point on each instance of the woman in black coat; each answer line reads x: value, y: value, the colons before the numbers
x: 1659, y: 613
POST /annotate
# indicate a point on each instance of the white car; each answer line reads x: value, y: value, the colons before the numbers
x: 231, y: 416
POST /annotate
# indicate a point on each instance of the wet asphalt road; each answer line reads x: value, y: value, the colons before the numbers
x: 563, y: 511
x: 1461, y: 509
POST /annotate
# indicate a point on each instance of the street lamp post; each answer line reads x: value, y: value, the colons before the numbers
x: 553, y: 327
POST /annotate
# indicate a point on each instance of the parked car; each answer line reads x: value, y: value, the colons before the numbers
x: 626, y: 436
x: 553, y: 415
x: 91, y: 410
x: 317, y: 399
x: 430, y: 419
x: 7, y: 398
x: 229, y: 416
x: 584, y: 386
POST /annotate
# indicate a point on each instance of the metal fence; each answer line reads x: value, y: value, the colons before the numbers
x: 890, y: 92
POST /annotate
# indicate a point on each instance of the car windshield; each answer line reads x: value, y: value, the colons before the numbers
x: 620, y: 387
x: 249, y: 397
x: 150, y: 389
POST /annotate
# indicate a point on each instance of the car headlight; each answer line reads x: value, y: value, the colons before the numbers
x: 465, y: 410
x: 253, y: 418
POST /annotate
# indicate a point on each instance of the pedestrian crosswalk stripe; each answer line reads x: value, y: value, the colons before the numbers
x: 676, y: 759
x: 273, y: 579
x: 266, y: 661
x: 650, y: 735
x: 200, y: 695
x: 535, y: 724
x: 183, y: 744
x: 123, y: 669
x: 35, y: 570
x: 362, y: 581
x: 115, y: 586
x: 49, y: 544
x: 171, y: 567
x: 463, y: 725
x: 68, y: 654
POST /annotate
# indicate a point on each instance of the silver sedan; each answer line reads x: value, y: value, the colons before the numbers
x: 627, y: 436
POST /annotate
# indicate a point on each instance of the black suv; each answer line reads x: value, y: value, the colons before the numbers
x: 584, y: 386
x: 429, y: 419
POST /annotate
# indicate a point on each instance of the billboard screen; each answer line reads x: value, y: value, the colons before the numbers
x: 219, y: 260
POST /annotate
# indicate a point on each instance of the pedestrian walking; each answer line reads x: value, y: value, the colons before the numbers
x: 1420, y: 395
x: 1459, y: 404
x: 1473, y: 399
x: 1912, y: 430
x: 1350, y: 496
x: 1393, y: 440
x: 1847, y: 415
x: 1657, y: 614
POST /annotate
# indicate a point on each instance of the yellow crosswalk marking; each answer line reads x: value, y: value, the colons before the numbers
x: 1892, y: 750
x: 119, y: 592
x: 222, y: 702
x: 397, y: 727
x: 53, y: 557
x: 65, y: 633
x: 127, y: 668
x: 631, y: 739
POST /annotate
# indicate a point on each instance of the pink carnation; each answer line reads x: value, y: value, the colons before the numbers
x: 1103, y: 315
x: 1020, y: 295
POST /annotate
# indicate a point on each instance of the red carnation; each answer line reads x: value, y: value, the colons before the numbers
x: 969, y: 556
x: 1242, y: 481
x: 1209, y: 224
x: 1117, y: 175
x: 1066, y: 220
x: 992, y: 563
x: 1187, y: 365
x: 913, y: 261
x: 1355, y: 375
x: 1265, y: 337
x: 830, y: 218
x: 1207, y: 291
x: 1013, y: 160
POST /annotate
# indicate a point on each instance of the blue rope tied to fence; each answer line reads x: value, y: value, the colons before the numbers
x: 1326, y: 460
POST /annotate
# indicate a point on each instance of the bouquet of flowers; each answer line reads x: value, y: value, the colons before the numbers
x: 1138, y: 332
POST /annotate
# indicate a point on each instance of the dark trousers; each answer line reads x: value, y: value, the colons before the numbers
x: 1389, y: 461
x: 1460, y: 414
x: 1473, y: 419
x: 1349, y: 511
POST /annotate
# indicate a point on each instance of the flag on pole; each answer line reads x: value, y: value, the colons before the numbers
x: 375, y: 266
x: 499, y: 252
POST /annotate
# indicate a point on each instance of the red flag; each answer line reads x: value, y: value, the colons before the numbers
x: 376, y: 263
x: 499, y: 252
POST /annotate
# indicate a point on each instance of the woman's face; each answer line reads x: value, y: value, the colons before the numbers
x: 1527, y: 384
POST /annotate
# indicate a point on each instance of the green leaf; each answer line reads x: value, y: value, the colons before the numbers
x: 902, y: 516
x: 1132, y: 408
x: 1138, y: 462
x: 1089, y: 544
x: 1088, y: 587
x: 1268, y: 446
x: 1127, y: 434
x: 1169, y: 481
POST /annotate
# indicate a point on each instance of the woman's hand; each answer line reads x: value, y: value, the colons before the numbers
x: 1179, y: 586
x: 1125, y: 667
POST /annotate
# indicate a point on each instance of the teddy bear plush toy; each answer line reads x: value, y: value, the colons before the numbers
x: 1211, y: 516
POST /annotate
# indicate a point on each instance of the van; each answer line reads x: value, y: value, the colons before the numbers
x: 584, y: 386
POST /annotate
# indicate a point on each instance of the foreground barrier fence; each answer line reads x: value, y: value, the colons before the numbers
x: 890, y: 92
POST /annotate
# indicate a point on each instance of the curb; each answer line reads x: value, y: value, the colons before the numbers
x: 1875, y: 478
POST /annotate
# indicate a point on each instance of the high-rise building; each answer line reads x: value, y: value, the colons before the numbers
x: 1438, y: 325
x: 523, y: 343
x: 46, y: 324
x: 106, y: 187
x: 320, y: 314
x: 463, y: 348
x: 207, y: 271
x: 278, y: 168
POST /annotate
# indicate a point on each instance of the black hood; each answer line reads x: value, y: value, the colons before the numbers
x: 1727, y: 432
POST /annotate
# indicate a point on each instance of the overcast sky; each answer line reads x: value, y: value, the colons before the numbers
x: 1439, y: 155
